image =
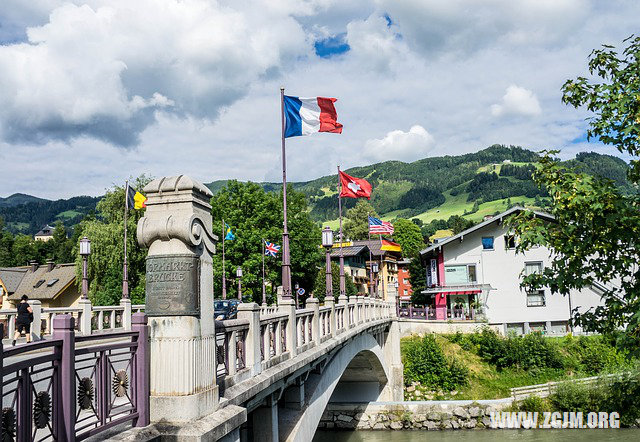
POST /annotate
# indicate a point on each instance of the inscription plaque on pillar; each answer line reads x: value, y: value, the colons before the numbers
x: 173, y: 285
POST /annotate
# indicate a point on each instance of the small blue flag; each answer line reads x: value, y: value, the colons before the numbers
x: 229, y: 236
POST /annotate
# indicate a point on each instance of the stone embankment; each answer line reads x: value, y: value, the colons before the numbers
x: 428, y: 415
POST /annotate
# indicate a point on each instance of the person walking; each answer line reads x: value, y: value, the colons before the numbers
x: 23, y: 320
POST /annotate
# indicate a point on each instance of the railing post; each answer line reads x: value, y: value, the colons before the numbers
x: 36, y: 325
x: 250, y: 311
x: 351, y: 311
x: 342, y: 301
x: 85, y: 316
x: 11, y: 319
x: 66, y: 416
x: 360, y: 309
x: 314, y: 305
x: 329, y: 302
x: 126, y: 313
x: 143, y: 369
x: 289, y: 306
x: 232, y: 352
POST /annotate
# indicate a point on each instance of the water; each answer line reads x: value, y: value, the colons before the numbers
x: 586, y: 435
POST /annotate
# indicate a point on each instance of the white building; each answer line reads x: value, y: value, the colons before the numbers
x: 476, y: 274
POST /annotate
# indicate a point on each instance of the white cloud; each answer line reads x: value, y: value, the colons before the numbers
x: 104, y: 70
x: 400, y: 145
x: 517, y: 101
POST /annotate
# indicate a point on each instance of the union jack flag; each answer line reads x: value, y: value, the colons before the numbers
x: 271, y: 249
x: 377, y: 226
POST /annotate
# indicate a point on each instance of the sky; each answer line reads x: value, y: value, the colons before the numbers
x: 93, y: 92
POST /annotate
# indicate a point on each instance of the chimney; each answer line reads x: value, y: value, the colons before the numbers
x: 50, y: 265
x: 34, y: 265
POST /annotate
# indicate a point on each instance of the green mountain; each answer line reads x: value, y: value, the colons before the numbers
x: 439, y: 187
x: 473, y: 185
x: 18, y: 199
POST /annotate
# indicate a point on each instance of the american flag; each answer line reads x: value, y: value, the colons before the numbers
x: 271, y: 249
x: 377, y: 226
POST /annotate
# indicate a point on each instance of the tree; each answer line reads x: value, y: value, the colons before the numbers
x: 105, y: 263
x: 408, y: 235
x: 254, y: 215
x: 320, y: 286
x: 61, y: 246
x: 594, y: 236
x: 356, y: 224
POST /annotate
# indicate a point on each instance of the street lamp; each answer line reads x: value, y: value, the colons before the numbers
x: 239, y: 275
x: 85, y: 251
x: 327, y: 243
x: 375, y: 269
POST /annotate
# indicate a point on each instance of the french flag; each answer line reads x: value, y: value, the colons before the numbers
x: 305, y: 116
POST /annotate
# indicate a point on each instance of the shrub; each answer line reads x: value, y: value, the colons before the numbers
x: 424, y: 362
x: 532, y: 404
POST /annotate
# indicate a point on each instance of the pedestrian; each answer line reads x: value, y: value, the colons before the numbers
x: 24, y: 319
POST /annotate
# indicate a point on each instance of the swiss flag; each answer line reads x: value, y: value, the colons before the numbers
x: 354, y: 187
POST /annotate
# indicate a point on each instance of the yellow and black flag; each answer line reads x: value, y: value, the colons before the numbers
x: 135, y: 200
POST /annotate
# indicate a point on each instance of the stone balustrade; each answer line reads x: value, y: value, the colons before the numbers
x: 89, y: 319
x: 261, y: 338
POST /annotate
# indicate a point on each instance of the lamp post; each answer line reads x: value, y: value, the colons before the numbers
x: 297, y: 301
x: 327, y: 243
x: 374, y: 269
x: 85, y: 251
x: 239, y: 275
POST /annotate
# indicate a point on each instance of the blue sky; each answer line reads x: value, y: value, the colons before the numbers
x: 96, y: 91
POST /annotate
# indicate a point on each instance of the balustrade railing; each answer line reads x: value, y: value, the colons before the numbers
x: 437, y: 313
x: 261, y: 338
x: 72, y: 387
x: 231, y: 336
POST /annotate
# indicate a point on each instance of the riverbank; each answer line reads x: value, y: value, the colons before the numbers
x: 414, y: 415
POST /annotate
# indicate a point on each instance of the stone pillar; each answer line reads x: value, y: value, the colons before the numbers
x: 394, y: 390
x: 526, y: 329
x: 289, y: 306
x: 294, y: 395
x: 359, y: 309
x: 36, y: 326
x: 265, y: 421
x: 179, y: 298
x: 251, y: 312
x: 314, y: 305
x: 126, y: 313
x: 85, y: 316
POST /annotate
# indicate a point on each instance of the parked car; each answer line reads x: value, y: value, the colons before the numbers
x: 225, y: 309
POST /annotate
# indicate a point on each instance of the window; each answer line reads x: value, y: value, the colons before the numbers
x: 53, y: 281
x: 406, y: 292
x: 487, y: 243
x: 531, y: 268
x: 535, y: 298
x: 38, y: 284
x: 509, y: 242
x: 460, y: 274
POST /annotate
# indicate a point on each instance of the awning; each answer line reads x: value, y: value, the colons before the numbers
x: 471, y: 289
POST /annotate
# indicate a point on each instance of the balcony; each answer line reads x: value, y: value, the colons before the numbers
x: 437, y: 313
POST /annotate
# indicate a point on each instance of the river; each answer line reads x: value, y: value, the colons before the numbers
x: 618, y: 435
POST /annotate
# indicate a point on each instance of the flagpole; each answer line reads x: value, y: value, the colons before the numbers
x: 125, y: 276
x: 342, y: 281
x: 370, y: 258
x: 264, y: 289
x: 224, y: 279
x: 286, y: 264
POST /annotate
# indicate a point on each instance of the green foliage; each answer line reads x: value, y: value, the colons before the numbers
x: 408, y: 235
x: 425, y: 362
x: 254, y: 215
x: 320, y: 286
x: 105, y: 263
x: 533, y: 404
x: 356, y: 223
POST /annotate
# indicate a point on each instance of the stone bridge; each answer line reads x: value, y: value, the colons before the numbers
x: 265, y: 376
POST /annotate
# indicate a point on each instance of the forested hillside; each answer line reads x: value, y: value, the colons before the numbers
x: 471, y: 185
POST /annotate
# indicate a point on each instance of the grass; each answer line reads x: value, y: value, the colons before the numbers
x: 485, y: 381
x: 497, y: 167
x: 68, y: 214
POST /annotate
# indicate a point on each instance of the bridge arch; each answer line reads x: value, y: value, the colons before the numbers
x: 362, y: 356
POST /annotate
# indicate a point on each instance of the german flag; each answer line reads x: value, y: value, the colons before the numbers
x: 135, y: 200
x: 390, y: 246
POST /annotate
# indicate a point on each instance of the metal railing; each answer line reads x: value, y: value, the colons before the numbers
x: 72, y: 387
x: 438, y: 313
